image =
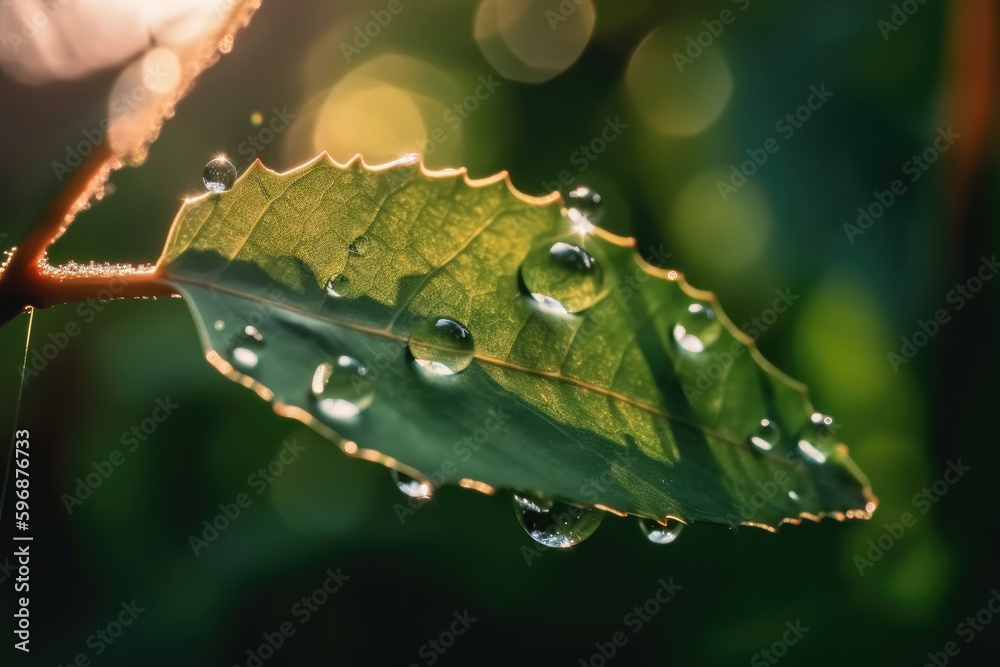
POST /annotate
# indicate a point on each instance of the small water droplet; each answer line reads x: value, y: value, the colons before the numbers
x: 441, y: 346
x: 765, y: 436
x: 657, y: 533
x: 246, y: 345
x: 219, y: 325
x: 360, y: 245
x: 411, y: 486
x: 563, y: 277
x: 219, y: 174
x: 583, y: 208
x: 811, y: 452
x: 556, y: 524
x: 823, y: 424
x: 342, y: 389
x: 338, y: 286
x: 794, y: 496
x: 244, y: 358
x: 698, y: 328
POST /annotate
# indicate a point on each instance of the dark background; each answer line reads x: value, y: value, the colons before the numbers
x: 464, y: 551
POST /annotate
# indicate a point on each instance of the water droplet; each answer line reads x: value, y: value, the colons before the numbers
x: 411, y: 486
x: 556, y: 524
x: 342, y: 389
x: 657, y: 533
x: 219, y: 174
x: 583, y: 208
x: 811, y: 452
x: 794, y: 496
x: 563, y: 277
x: 823, y: 424
x: 219, y: 325
x: 360, y: 245
x: 441, y: 346
x: 246, y: 345
x: 338, y: 286
x: 765, y: 436
x: 698, y: 328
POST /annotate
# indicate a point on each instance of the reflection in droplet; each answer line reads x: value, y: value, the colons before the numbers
x: 219, y: 174
x: 556, y: 524
x: 810, y: 451
x: 822, y: 424
x: 563, y: 277
x: 658, y: 533
x: 338, y: 286
x: 219, y: 325
x: 698, y: 328
x: 245, y: 347
x: 441, y: 346
x: 583, y: 208
x: 411, y: 486
x: 342, y: 389
x: 794, y: 496
x: 360, y: 245
x: 765, y: 436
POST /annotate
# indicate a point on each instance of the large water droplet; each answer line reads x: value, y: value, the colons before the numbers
x: 360, y: 245
x: 697, y: 328
x: 765, y: 436
x: 657, y: 533
x: 342, y: 389
x: 246, y: 347
x: 441, y: 346
x: 583, y: 208
x: 563, y: 277
x: 219, y: 175
x: 556, y: 524
x: 337, y: 286
x: 411, y: 486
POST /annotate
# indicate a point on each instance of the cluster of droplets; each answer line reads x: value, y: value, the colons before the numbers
x: 561, y: 276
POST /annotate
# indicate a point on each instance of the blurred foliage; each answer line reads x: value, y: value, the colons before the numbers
x: 782, y: 230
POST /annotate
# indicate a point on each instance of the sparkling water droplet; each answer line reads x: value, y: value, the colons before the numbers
x: 563, y: 277
x: 338, y: 286
x: 360, y: 245
x: 765, y: 436
x: 657, y: 533
x: 811, y: 452
x: 583, y: 208
x: 342, y: 389
x: 698, y: 328
x: 246, y: 346
x: 794, y: 496
x: 441, y: 346
x: 822, y: 424
x: 219, y: 174
x: 411, y: 486
x: 556, y: 524
x: 219, y: 325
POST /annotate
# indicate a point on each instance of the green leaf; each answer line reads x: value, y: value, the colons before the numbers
x: 642, y: 401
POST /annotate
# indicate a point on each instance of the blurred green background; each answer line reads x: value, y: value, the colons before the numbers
x: 679, y: 134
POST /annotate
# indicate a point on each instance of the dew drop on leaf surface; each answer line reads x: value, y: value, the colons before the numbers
x: 246, y: 344
x: 342, y: 389
x: 338, y: 286
x: 764, y: 437
x: 360, y: 245
x: 563, y: 277
x: 441, y: 346
x: 698, y: 328
x: 556, y: 524
x: 410, y: 486
x: 657, y: 533
x: 219, y: 175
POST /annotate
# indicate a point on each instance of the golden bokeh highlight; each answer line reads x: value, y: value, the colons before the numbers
x: 533, y: 40
x: 726, y: 236
x: 677, y: 103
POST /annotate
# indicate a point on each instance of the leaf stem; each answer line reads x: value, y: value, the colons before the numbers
x: 27, y: 279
